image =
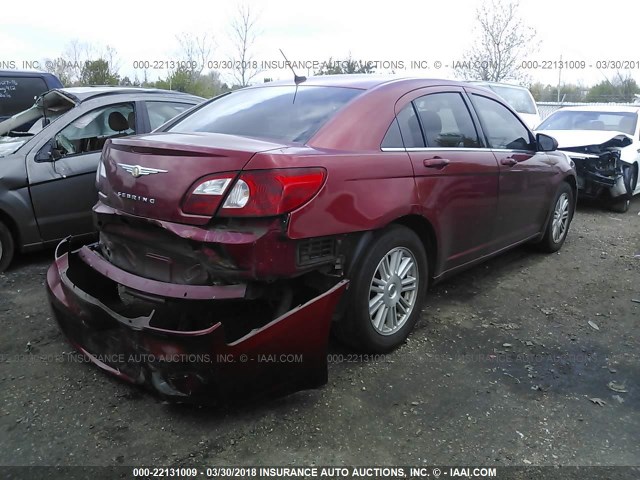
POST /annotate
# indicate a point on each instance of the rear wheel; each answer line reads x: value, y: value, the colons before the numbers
x: 561, y: 216
x: 6, y: 247
x: 387, y: 292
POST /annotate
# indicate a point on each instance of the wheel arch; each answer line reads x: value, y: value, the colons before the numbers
x: 12, y: 225
x: 571, y: 180
x: 424, y: 229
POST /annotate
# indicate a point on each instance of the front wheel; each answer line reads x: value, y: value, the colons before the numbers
x: 630, y: 175
x: 387, y: 291
x: 558, y: 226
x: 621, y: 206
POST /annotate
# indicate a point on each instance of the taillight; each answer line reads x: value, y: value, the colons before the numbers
x: 101, y: 172
x: 264, y: 193
x: 206, y: 194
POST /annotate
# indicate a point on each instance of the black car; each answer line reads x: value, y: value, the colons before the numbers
x: 47, y: 174
x: 18, y: 90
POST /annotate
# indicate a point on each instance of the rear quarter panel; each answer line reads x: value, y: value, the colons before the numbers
x: 363, y: 191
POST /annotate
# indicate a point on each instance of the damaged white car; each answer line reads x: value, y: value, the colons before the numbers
x: 604, y: 143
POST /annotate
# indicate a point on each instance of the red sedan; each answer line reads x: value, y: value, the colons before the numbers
x: 228, y: 239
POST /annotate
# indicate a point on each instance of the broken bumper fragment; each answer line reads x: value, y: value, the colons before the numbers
x: 169, y: 340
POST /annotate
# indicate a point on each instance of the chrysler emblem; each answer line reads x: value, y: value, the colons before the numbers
x: 137, y: 170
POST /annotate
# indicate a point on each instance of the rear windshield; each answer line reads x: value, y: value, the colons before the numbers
x: 19, y: 93
x: 285, y: 114
x: 624, y: 122
x: 518, y: 98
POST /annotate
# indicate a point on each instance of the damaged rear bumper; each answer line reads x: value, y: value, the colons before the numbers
x: 191, y: 362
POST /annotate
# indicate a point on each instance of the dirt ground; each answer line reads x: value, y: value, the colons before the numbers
x: 504, y: 368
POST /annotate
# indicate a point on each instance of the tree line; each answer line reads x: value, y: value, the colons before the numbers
x: 622, y: 88
x: 82, y: 64
x: 500, y: 41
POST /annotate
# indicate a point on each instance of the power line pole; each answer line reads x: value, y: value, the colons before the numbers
x: 559, y: 77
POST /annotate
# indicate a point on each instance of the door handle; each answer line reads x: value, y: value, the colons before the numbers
x: 509, y: 161
x: 435, y: 162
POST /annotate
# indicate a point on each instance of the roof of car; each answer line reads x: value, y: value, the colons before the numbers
x: 362, y: 81
x: 497, y: 84
x: 25, y: 73
x: 84, y: 93
x: 603, y: 108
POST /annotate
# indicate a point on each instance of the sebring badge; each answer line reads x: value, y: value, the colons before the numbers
x: 136, y: 198
x: 137, y: 171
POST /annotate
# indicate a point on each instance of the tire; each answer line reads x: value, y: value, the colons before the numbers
x: 406, y: 255
x: 620, y: 206
x: 6, y: 247
x: 631, y: 179
x: 562, y: 210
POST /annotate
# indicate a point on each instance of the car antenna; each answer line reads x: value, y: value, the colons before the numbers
x: 297, y: 79
x: 45, y: 121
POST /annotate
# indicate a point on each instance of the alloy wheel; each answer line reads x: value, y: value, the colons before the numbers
x: 560, y: 221
x: 393, y: 291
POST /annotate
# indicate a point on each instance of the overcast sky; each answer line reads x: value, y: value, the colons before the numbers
x: 400, y: 30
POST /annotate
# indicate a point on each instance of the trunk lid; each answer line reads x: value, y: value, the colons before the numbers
x: 150, y: 175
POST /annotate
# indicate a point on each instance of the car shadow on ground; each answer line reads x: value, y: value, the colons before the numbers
x: 25, y: 260
x: 595, y: 206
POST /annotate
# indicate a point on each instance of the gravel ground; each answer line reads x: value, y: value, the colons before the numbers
x: 526, y: 359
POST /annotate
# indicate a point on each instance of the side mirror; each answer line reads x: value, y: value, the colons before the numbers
x: 546, y: 143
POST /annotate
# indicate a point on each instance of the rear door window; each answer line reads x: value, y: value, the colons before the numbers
x: 393, y: 138
x: 410, y: 128
x: 19, y: 93
x: 446, y: 121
